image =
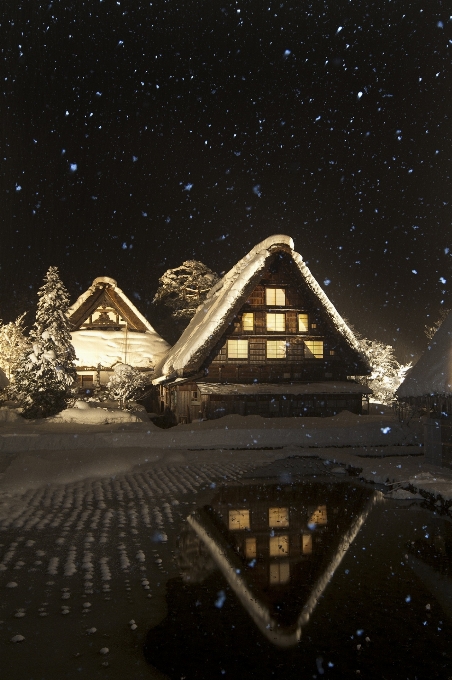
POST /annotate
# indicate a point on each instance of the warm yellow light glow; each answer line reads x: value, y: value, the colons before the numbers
x: 278, y: 517
x: 250, y: 547
x: 239, y: 519
x: 279, y: 572
x: 303, y: 323
x: 306, y: 544
x: 237, y: 349
x: 276, y: 322
x: 278, y: 545
x: 319, y: 516
x: 276, y: 349
x: 248, y: 321
x: 275, y: 296
x: 313, y: 349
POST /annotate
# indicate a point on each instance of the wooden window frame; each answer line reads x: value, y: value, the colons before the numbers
x: 272, y: 294
x: 250, y: 318
x: 316, y: 349
x: 237, y: 354
x: 274, y: 317
x: 305, y: 328
x: 274, y: 343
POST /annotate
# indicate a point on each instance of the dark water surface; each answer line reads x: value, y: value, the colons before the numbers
x: 320, y: 578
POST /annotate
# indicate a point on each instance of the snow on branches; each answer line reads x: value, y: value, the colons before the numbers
x: 125, y: 384
x: 13, y: 344
x: 387, y: 374
x: 44, y: 377
x: 184, y: 288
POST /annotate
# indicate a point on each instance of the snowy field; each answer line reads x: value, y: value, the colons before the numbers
x: 83, y: 567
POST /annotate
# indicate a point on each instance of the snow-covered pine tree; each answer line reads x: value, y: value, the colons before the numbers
x: 125, y: 384
x: 387, y: 373
x: 44, y: 379
x: 13, y: 344
x: 184, y: 288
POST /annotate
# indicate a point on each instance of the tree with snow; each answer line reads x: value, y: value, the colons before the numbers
x: 387, y: 374
x: 44, y: 379
x: 184, y: 288
x: 13, y: 344
x: 180, y: 292
x: 125, y: 384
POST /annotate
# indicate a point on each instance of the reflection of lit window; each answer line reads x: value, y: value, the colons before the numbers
x: 237, y: 349
x: 279, y: 545
x: 275, y: 296
x: 319, y: 516
x: 276, y: 322
x: 239, y: 519
x: 306, y: 544
x: 248, y: 321
x: 279, y: 572
x: 278, y: 517
x: 276, y: 349
x: 313, y: 349
x: 303, y: 323
x: 250, y: 547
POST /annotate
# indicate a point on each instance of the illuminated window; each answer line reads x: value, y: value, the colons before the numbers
x: 306, y: 544
x: 303, y: 323
x: 276, y: 322
x: 275, y: 296
x: 319, y: 515
x: 248, y: 321
x: 332, y: 352
x: 250, y: 547
x: 276, y: 349
x: 239, y: 519
x: 278, y: 517
x: 279, y: 545
x: 237, y: 349
x: 313, y: 349
x: 279, y: 572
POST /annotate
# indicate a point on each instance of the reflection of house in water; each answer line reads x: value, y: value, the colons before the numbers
x: 278, y: 546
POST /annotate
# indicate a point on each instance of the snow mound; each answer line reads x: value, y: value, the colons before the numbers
x: 404, y: 495
x: 96, y: 416
x: 9, y: 416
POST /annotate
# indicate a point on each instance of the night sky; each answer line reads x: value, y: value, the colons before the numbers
x: 136, y: 135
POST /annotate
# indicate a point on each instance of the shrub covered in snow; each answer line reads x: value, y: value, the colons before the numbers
x: 13, y: 344
x: 44, y: 377
x: 387, y: 374
x: 125, y: 384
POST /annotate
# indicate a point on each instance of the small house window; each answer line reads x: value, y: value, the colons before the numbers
x: 306, y: 544
x: 276, y: 322
x: 237, y: 349
x: 275, y: 296
x: 313, y: 325
x: 239, y: 519
x: 279, y: 572
x: 248, y: 321
x: 303, y: 323
x: 250, y: 547
x: 319, y: 515
x: 276, y: 349
x: 313, y: 349
x: 86, y: 380
x: 194, y: 395
x: 278, y: 517
x: 332, y: 352
x: 279, y: 546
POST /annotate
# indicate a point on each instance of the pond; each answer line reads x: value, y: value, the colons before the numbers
x: 320, y: 577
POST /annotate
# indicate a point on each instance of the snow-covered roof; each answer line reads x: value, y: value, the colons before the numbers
x: 108, y: 347
x: 79, y: 311
x: 225, y: 299
x: 433, y: 372
x: 330, y: 388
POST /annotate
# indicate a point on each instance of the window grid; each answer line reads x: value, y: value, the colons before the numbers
x: 303, y: 323
x: 276, y: 349
x: 276, y: 322
x: 237, y: 349
x: 314, y: 349
x: 248, y: 321
x: 275, y: 296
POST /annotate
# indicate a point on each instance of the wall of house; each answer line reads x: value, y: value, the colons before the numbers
x: 303, y: 324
